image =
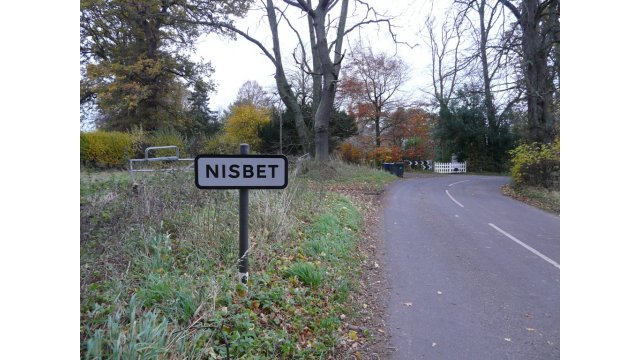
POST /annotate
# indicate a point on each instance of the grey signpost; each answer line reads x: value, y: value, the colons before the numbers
x: 242, y: 172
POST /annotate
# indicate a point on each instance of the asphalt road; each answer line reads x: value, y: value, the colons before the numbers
x: 473, y: 274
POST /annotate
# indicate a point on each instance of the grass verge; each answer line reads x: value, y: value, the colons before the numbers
x: 544, y: 199
x: 159, y: 274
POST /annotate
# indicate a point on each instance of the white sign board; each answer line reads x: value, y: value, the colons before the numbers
x: 241, y: 171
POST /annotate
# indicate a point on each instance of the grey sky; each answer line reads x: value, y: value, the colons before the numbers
x: 239, y: 61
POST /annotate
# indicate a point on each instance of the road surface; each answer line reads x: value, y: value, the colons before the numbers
x: 473, y: 274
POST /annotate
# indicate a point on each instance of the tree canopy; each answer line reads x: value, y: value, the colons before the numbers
x: 135, y: 61
x: 245, y: 124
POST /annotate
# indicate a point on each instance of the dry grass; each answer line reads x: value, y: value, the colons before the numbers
x: 159, y: 268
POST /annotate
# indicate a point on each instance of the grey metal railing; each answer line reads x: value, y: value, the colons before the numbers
x: 149, y: 160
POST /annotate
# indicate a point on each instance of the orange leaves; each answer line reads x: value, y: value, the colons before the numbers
x: 385, y: 154
x: 350, y: 153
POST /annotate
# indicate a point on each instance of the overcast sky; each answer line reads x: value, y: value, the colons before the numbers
x: 238, y: 61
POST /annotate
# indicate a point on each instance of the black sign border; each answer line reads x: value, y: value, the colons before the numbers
x: 210, y: 156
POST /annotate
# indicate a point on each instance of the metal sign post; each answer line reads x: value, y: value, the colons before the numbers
x: 243, y: 266
x: 242, y: 172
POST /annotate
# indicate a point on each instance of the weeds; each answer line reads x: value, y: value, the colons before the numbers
x: 308, y: 273
x: 159, y: 271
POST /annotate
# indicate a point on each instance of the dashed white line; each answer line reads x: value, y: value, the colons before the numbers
x: 542, y: 256
x: 452, y: 199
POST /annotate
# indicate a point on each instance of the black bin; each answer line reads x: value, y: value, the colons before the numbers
x: 398, y: 169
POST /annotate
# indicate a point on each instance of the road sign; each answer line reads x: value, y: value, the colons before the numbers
x: 241, y: 171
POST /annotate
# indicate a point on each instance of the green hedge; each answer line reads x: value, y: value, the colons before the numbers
x: 103, y: 149
x: 112, y: 149
x: 536, y: 165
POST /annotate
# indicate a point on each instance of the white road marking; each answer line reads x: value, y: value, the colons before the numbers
x: 458, y: 182
x: 526, y: 246
x: 454, y: 200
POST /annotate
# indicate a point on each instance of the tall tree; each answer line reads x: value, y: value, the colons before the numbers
x: 325, y: 41
x: 411, y: 130
x: 203, y: 119
x: 539, y: 22
x: 245, y: 124
x: 495, y: 63
x: 134, y: 59
x: 448, y: 61
x: 475, y: 82
x: 252, y: 93
x: 372, y: 83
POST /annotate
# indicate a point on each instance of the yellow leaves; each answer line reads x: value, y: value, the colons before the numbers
x: 105, y: 149
x: 245, y: 123
x: 526, y: 157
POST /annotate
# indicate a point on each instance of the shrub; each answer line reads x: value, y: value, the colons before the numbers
x: 384, y: 154
x: 245, y: 125
x: 415, y: 148
x: 219, y: 144
x: 102, y: 149
x: 349, y: 153
x: 536, y: 164
x: 165, y: 137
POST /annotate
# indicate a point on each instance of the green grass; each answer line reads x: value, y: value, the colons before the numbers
x: 338, y: 172
x: 159, y: 274
x: 308, y: 273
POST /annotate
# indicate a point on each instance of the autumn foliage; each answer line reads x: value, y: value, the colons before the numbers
x: 245, y: 123
x: 350, y: 153
x: 102, y: 149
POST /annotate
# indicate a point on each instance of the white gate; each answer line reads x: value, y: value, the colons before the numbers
x: 450, y: 168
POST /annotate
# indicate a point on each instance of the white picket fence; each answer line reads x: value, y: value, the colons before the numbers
x: 450, y: 168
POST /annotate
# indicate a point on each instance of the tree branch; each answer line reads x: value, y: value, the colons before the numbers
x: 514, y: 10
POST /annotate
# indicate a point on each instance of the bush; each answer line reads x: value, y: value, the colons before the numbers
x: 536, y: 164
x: 102, y: 149
x: 385, y: 154
x: 245, y: 125
x: 416, y: 149
x: 220, y: 144
x: 349, y: 153
x: 167, y: 138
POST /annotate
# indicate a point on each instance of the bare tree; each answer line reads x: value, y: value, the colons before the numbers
x: 325, y: 40
x: 447, y: 57
x: 372, y: 83
x: 539, y: 22
x: 252, y: 93
x: 492, y: 57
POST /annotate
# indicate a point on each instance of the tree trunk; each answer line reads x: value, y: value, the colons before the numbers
x: 378, y: 131
x: 541, y: 125
x: 283, y: 86
x: 321, y: 117
x: 492, y: 121
x: 330, y: 70
x: 316, y: 86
